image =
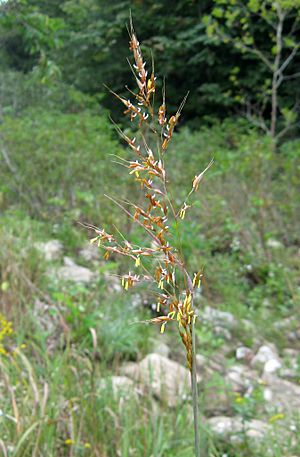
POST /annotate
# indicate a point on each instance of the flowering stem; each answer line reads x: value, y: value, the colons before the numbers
x: 168, y: 258
x: 195, y: 395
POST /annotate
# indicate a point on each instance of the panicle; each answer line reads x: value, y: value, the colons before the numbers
x: 173, y: 286
x: 183, y: 210
x: 146, y: 86
x: 171, y: 125
x: 197, y: 279
x: 129, y: 280
x: 199, y: 177
x: 162, y: 115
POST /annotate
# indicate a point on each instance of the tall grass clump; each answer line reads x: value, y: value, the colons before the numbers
x: 159, y: 261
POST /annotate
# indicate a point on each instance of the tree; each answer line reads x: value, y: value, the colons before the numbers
x: 265, y: 31
x: 29, y: 38
x: 233, y: 56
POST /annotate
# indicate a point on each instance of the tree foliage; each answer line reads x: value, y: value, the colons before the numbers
x: 266, y: 31
x: 222, y: 52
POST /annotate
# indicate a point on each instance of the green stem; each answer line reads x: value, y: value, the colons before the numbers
x: 195, y: 395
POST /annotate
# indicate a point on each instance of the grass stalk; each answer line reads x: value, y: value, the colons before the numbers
x: 195, y: 397
x: 152, y: 212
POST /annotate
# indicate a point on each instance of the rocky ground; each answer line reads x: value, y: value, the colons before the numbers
x: 246, y: 391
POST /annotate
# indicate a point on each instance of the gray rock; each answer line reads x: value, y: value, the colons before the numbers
x: 217, y: 318
x: 264, y: 354
x: 294, y: 335
x: 201, y: 362
x: 290, y: 328
x: 271, y: 366
x: 75, y: 273
x: 204, y: 372
x: 285, y: 324
x: 47, y: 318
x: 165, y: 379
x: 90, y: 253
x: 113, y: 282
x: 256, y: 429
x: 207, y: 367
x: 51, y: 250
x: 216, y: 394
x: 69, y: 262
x: 240, y: 378
x: 233, y: 428
x: 222, y: 332
x: 224, y: 426
x: 159, y: 347
x: 244, y: 353
x: 43, y: 316
x: 275, y: 244
x: 291, y: 353
x: 216, y: 401
x: 290, y: 374
x: 131, y: 370
x: 121, y: 386
x: 291, y: 364
x: 218, y: 363
x: 281, y: 394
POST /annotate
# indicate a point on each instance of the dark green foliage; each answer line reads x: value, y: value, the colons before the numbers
x: 85, y: 44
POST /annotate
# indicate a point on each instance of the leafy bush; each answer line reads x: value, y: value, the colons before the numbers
x: 61, y: 164
x: 19, y: 92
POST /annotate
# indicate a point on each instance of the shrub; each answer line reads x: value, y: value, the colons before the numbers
x: 61, y: 164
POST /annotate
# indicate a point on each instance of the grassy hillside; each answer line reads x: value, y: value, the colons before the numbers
x: 68, y: 336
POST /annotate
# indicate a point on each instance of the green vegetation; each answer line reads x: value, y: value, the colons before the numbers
x: 223, y: 52
x: 248, y: 199
x: 57, y: 160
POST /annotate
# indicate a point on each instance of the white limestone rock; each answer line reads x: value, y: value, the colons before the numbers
x: 51, y: 250
x: 165, y: 379
x: 75, y: 273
